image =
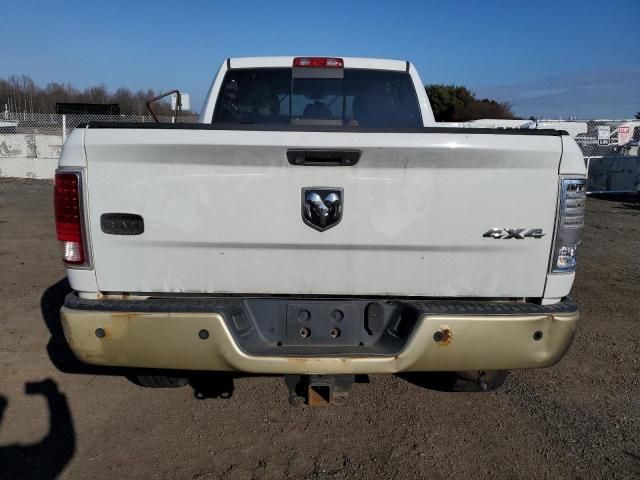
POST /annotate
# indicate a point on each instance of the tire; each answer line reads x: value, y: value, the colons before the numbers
x: 159, y: 381
x: 478, y: 381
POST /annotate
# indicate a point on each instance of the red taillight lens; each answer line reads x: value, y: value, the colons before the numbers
x: 66, y: 201
x: 318, y: 62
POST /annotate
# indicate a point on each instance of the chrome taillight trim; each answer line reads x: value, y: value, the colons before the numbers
x: 570, y: 222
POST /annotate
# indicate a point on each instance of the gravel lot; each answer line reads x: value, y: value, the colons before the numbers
x: 579, y: 419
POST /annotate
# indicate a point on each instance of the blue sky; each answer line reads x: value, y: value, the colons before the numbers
x: 548, y: 58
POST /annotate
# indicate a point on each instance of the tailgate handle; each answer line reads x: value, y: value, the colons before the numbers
x: 324, y: 158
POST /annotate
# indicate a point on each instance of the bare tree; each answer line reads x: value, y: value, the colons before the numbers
x: 21, y: 94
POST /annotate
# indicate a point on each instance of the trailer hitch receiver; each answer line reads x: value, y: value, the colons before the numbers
x: 319, y: 390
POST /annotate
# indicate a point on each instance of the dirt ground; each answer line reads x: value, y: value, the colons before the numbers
x: 579, y: 419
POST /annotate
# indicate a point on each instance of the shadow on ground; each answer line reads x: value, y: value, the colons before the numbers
x: 629, y: 198
x: 47, y: 458
x: 438, y: 381
x: 627, y: 201
x: 204, y: 384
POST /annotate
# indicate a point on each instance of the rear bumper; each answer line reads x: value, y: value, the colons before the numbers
x: 171, y: 335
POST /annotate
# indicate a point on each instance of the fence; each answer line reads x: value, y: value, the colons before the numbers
x: 30, y: 145
x: 610, y: 149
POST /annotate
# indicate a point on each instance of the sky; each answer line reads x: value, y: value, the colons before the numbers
x: 548, y: 58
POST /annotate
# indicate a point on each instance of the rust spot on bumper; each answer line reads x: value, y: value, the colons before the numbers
x: 444, y: 336
x: 119, y: 316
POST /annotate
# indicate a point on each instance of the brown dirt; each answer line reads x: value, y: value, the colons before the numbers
x: 579, y: 419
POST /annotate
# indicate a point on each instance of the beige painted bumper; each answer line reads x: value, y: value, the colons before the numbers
x: 171, y: 341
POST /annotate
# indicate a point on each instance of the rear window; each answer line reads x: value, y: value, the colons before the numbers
x: 349, y: 97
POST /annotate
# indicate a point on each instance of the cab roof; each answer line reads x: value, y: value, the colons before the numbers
x: 349, y: 62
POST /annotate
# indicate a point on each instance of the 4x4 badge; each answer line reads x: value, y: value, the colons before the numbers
x: 508, y: 233
x: 322, y: 207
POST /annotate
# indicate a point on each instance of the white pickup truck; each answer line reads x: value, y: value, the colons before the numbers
x: 318, y: 223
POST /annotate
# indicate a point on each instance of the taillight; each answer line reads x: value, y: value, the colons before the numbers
x: 68, y: 212
x: 573, y: 197
x: 318, y: 62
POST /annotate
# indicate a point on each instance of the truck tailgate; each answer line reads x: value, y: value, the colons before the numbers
x: 222, y: 212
